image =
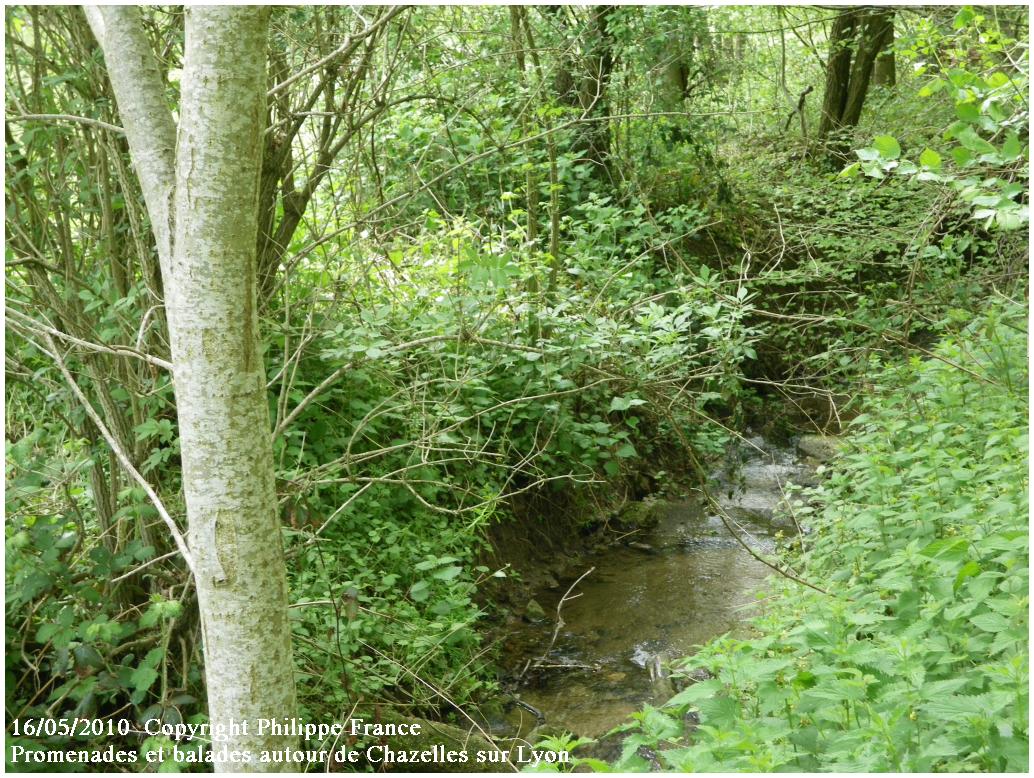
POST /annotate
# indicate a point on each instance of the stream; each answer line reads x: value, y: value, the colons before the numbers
x: 686, y: 581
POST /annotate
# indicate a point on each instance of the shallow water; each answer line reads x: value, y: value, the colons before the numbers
x: 639, y: 608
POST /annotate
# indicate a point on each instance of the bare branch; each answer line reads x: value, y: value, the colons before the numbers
x: 123, y: 459
x: 351, y: 44
x: 118, y: 351
x: 65, y: 117
x: 560, y: 619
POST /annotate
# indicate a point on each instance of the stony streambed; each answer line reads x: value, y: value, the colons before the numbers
x: 674, y: 587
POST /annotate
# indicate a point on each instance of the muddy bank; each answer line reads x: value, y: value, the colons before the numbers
x: 552, y: 534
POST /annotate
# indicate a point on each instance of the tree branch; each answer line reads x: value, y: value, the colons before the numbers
x: 346, y: 48
x: 65, y: 117
x: 118, y: 351
x: 140, y: 95
x: 123, y: 459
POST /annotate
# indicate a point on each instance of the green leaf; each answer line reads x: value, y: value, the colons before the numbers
x: 936, y: 689
x: 851, y: 171
x: 447, y: 573
x: 887, y: 145
x: 835, y: 691
x: 420, y: 591
x: 596, y: 765
x: 930, y: 159
x: 968, y: 112
x: 143, y: 677
x: 626, y: 451
x: 1011, y: 149
x: 147, y: 429
x: 963, y: 17
x: 1011, y: 220
x: 946, y: 548
x: 974, y: 142
x: 872, y: 169
x: 432, y: 562
x: 931, y: 88
x: 997, y: 79
x: 962, y: 156
x: 990, y: 622
x: 624, y: 403
x: 718, y: 711
x: 46, y: 632
x: 694, y: 693
x: 150, y: 617
x: 958, y: 706
x: 658, y: 725
x: 968, y: 570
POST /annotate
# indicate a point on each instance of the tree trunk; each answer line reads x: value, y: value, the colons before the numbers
x: 595, y: 99
x: 885, y: 72
x: 140, y: 94
x: 857, y: 38
x: 676, y: 83
x: 838, y: 71
x: 564, y: 84
x: 870, y: 44
x: 209, y: 281
x: 581, y: 82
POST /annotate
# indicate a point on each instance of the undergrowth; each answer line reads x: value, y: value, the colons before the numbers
x: 916, y: 659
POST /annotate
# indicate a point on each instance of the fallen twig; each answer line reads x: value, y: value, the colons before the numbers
x: 559, y: 618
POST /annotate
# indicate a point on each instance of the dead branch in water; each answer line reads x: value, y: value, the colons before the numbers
x: 559, y: 618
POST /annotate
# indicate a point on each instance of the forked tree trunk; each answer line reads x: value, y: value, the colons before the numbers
x: 856, y: 39
x: 210, y: 289
x: 838, y: 70
x: 870, y: 43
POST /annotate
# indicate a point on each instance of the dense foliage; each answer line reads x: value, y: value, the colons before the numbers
x: 517, y: 264
x: 915, y: 658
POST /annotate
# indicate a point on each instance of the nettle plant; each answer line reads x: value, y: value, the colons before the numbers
x: 984, y: 156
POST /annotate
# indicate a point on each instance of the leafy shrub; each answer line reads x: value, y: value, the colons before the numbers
x: 988, y: 144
